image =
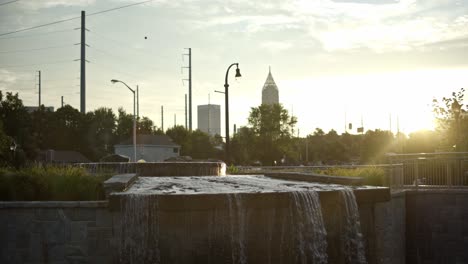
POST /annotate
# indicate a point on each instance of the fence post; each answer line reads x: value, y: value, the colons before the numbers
x: 416, y: 173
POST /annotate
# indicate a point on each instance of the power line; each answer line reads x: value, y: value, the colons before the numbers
x: 120, y: 7
x: 6, y: 3
x: 39, y: 34
x: 36, y: 49
x: 37, y: 64
x: 73, y: 18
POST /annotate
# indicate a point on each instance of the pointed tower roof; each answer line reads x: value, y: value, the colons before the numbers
x: 270, y: 82
x: 270, y: 90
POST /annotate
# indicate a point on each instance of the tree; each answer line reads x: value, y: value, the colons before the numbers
x: 243, y: 149
x: 274, y: 128
x: 375, y: 144
x: 452, y: 121
x: 100, y: 128
x: 423, y: 141
x: 124, y: 129
x: 16, y: 124
x: 145, y: 126
x: 196, y: 144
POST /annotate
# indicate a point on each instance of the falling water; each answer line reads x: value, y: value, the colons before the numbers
x: 139, y: 229
x: 352, y: 238
x: 309, y: 228
x: 237, y: 228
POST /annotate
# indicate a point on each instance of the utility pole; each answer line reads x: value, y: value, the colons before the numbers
x: 138, y: 103
x: 175, y: 120
x: 62, y: 100
x: 185, y: 111
x: 190, y: 86
x: 83, y: 64
x: 39, y: 85
x: 162, y: 118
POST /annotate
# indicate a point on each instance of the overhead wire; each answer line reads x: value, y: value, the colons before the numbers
x: 10, y: 2
x: 38, y: 34
x: 73, y: 18
x: 37, y: 49
x: 37, y: 64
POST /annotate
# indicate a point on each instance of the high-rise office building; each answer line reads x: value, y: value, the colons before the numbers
x: 270, y: 91
x: 209, y: 119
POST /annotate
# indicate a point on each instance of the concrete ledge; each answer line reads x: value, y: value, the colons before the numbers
x: 119, y: 183
x: 154, y: 169
x: 313, y: 177
x: 164, y: 169
x: 202, y: 202
x: 54, y: 204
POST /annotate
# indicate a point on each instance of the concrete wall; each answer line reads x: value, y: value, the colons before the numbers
x: 55, y: 232
x: 390, y: 230
x: 437, y: 226
x: 414, y: 227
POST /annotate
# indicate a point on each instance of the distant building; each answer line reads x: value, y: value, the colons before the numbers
x: 270, y: 91
x: 31, y: 109
x: 209, y: 119
x: 149, y: 148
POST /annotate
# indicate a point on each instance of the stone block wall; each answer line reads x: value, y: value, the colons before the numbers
x: 55, y: 232
x: 390, y: 230
x: 437, y: 226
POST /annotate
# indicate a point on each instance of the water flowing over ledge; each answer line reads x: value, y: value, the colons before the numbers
x: 237, y: 219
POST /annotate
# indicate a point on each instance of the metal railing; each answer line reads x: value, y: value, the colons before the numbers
x: 393, y: 173
x: 432, y: 170
x: 403, y: 171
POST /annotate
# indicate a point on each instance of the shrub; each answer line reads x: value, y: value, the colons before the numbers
x: 51, y: 183
x: 372, y: 175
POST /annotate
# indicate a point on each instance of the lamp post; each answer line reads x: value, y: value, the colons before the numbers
x: 134, y: 118
x: 456, y: 109
x: 226, y: 94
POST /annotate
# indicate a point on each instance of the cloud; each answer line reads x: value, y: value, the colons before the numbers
x: 36, y: 5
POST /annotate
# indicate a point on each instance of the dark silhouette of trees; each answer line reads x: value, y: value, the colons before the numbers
x: 452, y: 121
x: 268, y: 139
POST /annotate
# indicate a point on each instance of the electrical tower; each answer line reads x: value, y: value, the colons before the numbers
x: 190, y: 86
x: 39, y: 86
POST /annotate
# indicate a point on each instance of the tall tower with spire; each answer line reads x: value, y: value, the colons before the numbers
x: 270, y: 90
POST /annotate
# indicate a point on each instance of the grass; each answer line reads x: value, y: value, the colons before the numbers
x: 372, y: 175
x: 51, y: 184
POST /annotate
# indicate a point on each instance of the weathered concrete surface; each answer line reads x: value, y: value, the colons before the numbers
x: 390, y: 230
x: 314, y: 177
x: 119, y: 183
x: 158, y: 168
x: 437, y: 226
x: 55, y: 232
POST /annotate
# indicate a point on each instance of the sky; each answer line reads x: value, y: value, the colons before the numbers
x: 378, y: 63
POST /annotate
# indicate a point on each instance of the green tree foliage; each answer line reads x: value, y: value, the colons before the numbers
x: 16, y: 125
x: 423, y: 141
x: 375, y: 144
x: 269, y: 136
x: 452, y: 121
x: 100, y: 129
x: 242, y: 146
x: 124, y: 125
x: 196, y: 144
x: 329, y: 148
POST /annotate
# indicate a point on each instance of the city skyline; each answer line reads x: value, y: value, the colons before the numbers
x: 336, y: 62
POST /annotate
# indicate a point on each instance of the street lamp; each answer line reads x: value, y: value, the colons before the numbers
x: 456, y: 109
x: 226, y: 94
x: 134, y: 118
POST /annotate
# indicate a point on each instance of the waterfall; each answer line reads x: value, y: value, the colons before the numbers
x: 139, y: 231
x: 309, y: 228
x: 237, y: 228
x: 352, y: 239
